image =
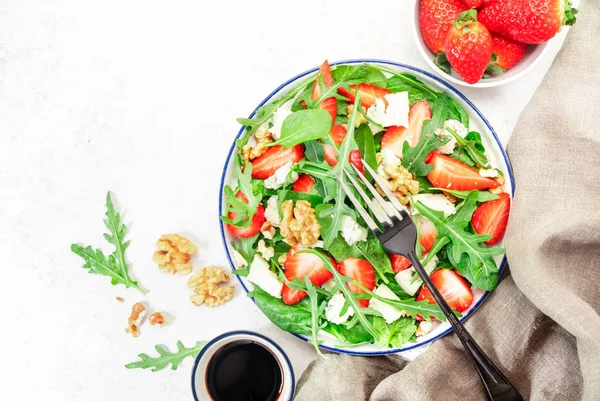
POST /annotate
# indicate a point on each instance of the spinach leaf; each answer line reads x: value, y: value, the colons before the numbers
x: 457, y: 112
x: 373, y: 251
x: 413, y: 159
x: 376, y: 77
x: 425, y: 187
x: 461, y: 155
x: 302, y: 126
x: 265, y: 112
x: 354, y: 335
x: 395, y: 334
x: 292, y: 318
x: 349, y: 73
x: 340, y: 249
x: 396, y: 289
x: 285, y: 194
x: 314, y: 151
x: 366, y: 146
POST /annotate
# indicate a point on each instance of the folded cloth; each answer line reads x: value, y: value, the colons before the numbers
x: 542, y: 325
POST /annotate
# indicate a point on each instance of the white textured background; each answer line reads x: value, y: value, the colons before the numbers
x: 140, y: 98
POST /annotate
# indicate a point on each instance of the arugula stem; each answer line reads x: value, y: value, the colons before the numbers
x: 422, y: 87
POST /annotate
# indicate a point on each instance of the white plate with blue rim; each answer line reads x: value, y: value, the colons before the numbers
x: 494, y: 151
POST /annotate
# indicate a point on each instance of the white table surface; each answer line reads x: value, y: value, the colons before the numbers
x: 140, y: 98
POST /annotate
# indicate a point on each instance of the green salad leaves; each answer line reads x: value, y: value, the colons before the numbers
x: 114, y: 265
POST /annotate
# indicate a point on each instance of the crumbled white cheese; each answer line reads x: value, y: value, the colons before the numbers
x: 424, y: 328
x: 279, y: 178
x: 272, y: 211
x: 329, y: 284
x: 437, y: 202
x: 352, y: 231
x: 267, y: 252
x: 455, y: 126
x: 334, y: 308
x: 396, y: 112
x: 239, y: 260
x: 409, y: 279
x: 261, y: 275
x: 267, y: 234
x: 283, y: 112
x: 489, y: 173
x: 390, y: 314
x: 388, y: 159
x: 318, y: 244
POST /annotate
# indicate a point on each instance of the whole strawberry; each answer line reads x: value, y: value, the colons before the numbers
x: 507, y: 52
x: 473, y: 3
x: 468, y: 46
x: 435, y: 17
x: 528, y: 21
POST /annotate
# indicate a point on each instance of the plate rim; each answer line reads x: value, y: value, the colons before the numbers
x: 440, y: 81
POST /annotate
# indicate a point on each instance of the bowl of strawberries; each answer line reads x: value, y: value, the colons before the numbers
x: 486, y: 43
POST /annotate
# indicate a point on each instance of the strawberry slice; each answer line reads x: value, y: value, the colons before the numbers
x: 427, y: 233
x: 355, y: 159
x: 266, y: 164
x: 368, y: 94
x: 330, y: 154
x: 399, y: 263
x: 455, y: 290
x: 300, y: 265
x: 304, y: 183
x: 361, y: 271
x: 338, y: 133
x: 395, y: 137
x: 257, y: 221
x: 492, y: 217
x: 449, y: 173
x: 329, y: 104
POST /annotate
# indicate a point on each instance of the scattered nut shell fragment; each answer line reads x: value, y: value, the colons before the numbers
x: 120, y: 299
x: 138, y: 311
x: 207, y: 291
x: 174, y: 253
x: 157, y: 319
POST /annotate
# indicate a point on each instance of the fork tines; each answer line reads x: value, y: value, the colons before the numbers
x: 386, y: 212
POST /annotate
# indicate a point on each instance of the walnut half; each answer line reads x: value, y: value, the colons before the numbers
x: 299, y: 223
x: 207, y: 291
x: 157, y: 319
x: 174, y: 253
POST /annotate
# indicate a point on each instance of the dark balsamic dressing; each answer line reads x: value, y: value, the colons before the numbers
x: 243, y: 371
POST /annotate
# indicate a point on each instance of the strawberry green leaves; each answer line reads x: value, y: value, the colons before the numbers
x: 165, y: 357
x: 302, y: 126
x: 413, y: 159
x: 467, y: 252
x: 115, y: 265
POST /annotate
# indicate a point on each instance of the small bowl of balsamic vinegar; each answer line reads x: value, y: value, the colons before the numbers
x: 242, y: 366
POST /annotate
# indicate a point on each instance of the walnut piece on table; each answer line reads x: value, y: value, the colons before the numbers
x: 157, y: 319
x: 174, y: 253
x: 299, y: 223
x: 138, y: 311
x: 207, y: 291
x: 120, y: 299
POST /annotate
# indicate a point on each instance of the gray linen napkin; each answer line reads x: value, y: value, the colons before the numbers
x: 542, y: 325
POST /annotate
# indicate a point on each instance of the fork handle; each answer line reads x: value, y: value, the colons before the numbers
x: 497, y: 386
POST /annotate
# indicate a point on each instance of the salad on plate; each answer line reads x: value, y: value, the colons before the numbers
x: 316, y: 269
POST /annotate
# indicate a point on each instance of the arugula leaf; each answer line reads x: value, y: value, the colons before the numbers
x: 314, y: 151
x: 472, y: 145
x: 376, y: 77
x: 366, y: 145
x: 482, y: 196
x: 285, y: 194
x: 477, y: 265
x: 115, y: 265
x: 457, y: 112
x: 245, y: 246
x: 244, y: 211
x: 316, y: 311
x: 413, y: 159
x: 349, y: 73
x: 165, y: 357
x: 292, y: 318
x: 394, y: 334
x: 462, y: 156
x: 263, y: 113
x: 302, y: 126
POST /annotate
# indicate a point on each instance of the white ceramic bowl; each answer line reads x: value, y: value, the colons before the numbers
x: 533, y: 55
x: 494, y: 150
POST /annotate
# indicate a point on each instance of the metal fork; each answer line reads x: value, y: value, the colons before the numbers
x: 398, y: 234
